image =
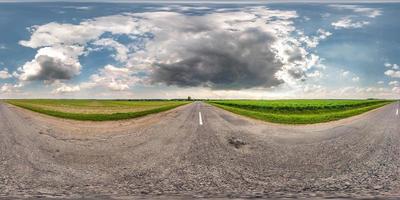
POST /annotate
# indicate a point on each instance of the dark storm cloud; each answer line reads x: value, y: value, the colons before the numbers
x: 53, y: 69
x: 224, y: 60
x: 297, y: 73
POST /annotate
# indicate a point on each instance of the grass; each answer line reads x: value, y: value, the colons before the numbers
x: 95, y: 110
x: 299, y: 111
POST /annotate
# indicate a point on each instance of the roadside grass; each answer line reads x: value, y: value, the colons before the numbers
x: 299, y: 111
x: 96, y: 110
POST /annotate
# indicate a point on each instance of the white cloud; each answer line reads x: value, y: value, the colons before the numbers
x: 4, y: 74
x: 312, y: 88
x: 388, y: 65
x: 393, y: 66
x: 2, y: 47
x: 315, y: 74
x: 396, y: 89
x: 392, y: 73
x: 179, y: 8
x: 53, y: 34
x: 345, y: 73
x: 355, y: 79
x: 368, y: 12
x: 394, y: 83
x: 323, y: 33
x: 112, y: 78
x: 118, y: 86
x: 9, y: 88
x: 66, y: 89
x: 6, y: 88
x: 349, y: 75
x: 313, y: 42
x: 79, y: 7
x: 347, y: 23
x: 121, y: 50
x: 362, y: 92
x: 115, y: 71
x: 380, y: 82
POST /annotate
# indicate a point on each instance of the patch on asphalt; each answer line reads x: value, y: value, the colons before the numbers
x: 234, y: 120
x: 236, y: 142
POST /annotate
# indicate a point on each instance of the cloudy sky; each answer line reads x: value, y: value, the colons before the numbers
x: 208, y: 50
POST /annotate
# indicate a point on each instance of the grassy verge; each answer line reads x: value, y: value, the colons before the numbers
x: 94, y: 116
x: 302, y: 115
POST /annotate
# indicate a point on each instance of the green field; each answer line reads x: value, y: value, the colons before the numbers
x: 96, y: 110
x: 299, y: 111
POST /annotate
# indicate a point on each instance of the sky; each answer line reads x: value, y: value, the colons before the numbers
x: 261, y: 50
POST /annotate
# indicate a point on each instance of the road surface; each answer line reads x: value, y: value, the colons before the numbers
x: 198, y: 150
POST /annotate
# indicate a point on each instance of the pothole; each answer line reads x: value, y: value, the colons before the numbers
x: 236, y: 142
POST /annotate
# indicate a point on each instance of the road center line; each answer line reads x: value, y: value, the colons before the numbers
x: 397, y: 111
x: 200, y: 119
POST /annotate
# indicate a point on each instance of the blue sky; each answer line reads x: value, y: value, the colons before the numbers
x: 208, y: 50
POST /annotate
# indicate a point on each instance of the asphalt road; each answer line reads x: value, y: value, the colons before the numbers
x: 198, y: 151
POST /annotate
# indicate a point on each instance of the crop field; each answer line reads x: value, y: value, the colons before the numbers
x: 299, y: 111
x: 96, y: 110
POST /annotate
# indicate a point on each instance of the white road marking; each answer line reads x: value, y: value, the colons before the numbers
x: 200, y: 119
x: 397, y: 111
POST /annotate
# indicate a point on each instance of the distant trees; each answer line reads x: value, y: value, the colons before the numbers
x: 189, y: 98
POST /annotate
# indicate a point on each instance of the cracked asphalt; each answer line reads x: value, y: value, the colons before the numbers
x: 175, y: 155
